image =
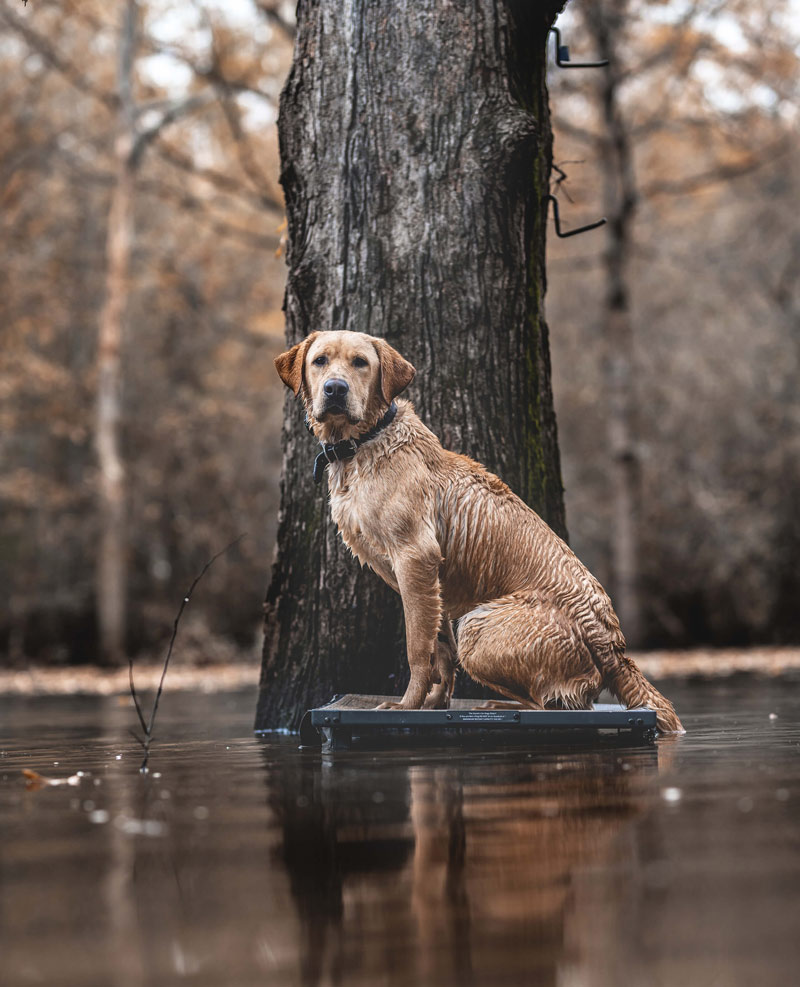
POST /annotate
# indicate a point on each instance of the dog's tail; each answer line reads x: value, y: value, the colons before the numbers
x: 621, y: 675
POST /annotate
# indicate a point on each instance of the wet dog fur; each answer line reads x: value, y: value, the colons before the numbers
x: 458, y: 545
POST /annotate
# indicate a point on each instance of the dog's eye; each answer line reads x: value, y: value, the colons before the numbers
x: 360, y: 362
x: 320, y: 361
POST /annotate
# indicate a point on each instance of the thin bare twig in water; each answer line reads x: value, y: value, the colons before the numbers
x: 136, y: 702
x: 137, y: 738
x: 147, y: 727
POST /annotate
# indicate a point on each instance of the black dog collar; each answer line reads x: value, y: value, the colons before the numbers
x: 337, y: 452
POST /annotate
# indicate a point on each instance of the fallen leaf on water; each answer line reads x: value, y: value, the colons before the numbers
x: 34, y: 781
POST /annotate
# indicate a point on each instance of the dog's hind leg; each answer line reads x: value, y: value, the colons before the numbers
x: 443, y: 671
x: 514, y: 704
x: 623, y: 677
x: 524, y: 648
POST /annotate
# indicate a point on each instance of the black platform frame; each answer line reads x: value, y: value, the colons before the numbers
x: 349, y: 721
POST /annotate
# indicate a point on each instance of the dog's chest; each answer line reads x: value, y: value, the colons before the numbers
x: 357, y: 515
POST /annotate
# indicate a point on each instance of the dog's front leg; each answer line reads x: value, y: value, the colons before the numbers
x: 417, y: 574
x: 384, y: 570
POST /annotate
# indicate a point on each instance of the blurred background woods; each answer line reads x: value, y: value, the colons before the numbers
x: 141, y: 290
x: 199, y: 299
x: 676, y: 329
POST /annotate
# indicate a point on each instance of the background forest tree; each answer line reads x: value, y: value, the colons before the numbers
x: 707, y: 96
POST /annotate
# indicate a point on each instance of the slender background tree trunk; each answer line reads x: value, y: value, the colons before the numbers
x: 606, y: 22
x: 112, y: 555
x: 415, y: 152
x: 130, y: 144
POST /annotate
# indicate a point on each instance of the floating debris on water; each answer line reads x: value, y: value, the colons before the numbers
x: 34, y: 781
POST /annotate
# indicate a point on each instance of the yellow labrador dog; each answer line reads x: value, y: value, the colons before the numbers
x: 457, y: 544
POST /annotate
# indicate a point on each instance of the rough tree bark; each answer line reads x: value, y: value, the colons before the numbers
x: 415, y: 150
x: 606, y: 22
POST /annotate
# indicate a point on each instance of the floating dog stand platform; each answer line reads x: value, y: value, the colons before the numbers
x: 352, y: 721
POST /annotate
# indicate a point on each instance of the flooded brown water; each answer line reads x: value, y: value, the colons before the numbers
x: 243, y: 861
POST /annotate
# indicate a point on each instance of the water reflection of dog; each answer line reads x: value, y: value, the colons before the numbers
x: 495, y: 854
x: 447, y: 873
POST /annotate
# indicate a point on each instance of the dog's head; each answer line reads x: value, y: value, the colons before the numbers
x: 345, y: 378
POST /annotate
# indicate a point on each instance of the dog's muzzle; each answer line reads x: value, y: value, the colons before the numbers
x: 335, y: 390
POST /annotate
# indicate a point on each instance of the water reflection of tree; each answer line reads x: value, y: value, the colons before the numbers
x: 447, y: 872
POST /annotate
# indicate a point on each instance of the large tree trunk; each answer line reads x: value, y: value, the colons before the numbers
x: 112, y: 554
x: 415, y: 150
x: 606, y: 22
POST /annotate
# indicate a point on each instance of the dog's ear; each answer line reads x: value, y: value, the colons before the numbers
x: 290, y: 364
x: 396, y: 372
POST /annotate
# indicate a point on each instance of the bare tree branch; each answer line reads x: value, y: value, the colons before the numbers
x: 55, y: 59
x: 181, y: 198
x: 178, y: 108
x: 272, y: 13
x: 564, y: 126
x: 719, y: 173
x: 218, y: 179
x: 191, y: 203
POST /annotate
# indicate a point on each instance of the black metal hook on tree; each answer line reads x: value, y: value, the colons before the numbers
x: 563, y: 60
x: 580, y: 229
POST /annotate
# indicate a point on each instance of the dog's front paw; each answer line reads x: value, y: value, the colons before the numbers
x: 399, y: 704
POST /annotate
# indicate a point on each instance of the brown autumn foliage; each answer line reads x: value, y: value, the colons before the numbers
x: 201, y: 421
x: 705, y: 97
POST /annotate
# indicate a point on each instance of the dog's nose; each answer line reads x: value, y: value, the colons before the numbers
x: 335, y: 388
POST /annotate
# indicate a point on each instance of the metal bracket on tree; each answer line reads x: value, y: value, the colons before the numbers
x: 580, y: 229
x: 563, y: 60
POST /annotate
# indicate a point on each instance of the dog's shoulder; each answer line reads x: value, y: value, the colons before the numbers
x: 474, y: 480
